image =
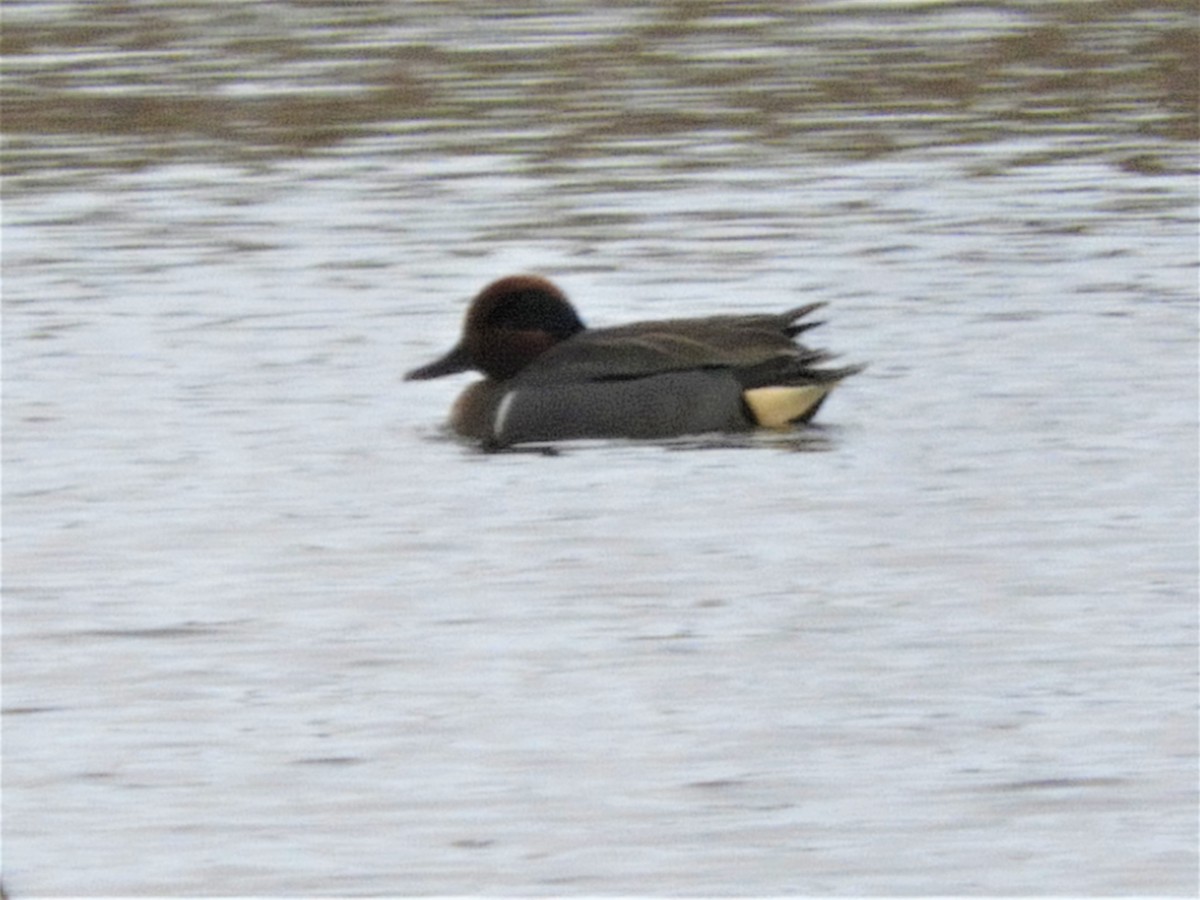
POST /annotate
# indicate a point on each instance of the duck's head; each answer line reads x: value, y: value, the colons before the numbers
x: 509, y: 324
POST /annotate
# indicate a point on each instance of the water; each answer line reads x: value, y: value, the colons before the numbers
x: 268, y: 630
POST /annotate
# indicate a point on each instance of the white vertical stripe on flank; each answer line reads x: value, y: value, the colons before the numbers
x: 502, y: 409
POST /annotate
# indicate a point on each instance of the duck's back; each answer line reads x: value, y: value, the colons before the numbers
x: 758, y: 348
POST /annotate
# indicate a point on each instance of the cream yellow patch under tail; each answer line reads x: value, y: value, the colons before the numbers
x: 781, y: 407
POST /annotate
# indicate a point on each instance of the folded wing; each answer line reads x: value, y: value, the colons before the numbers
x: 759, y: 350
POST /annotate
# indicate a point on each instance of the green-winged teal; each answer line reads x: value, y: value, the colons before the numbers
x: 549, y: 378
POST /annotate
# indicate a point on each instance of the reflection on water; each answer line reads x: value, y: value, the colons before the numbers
x: 688, y: 83
x: 267, y: 630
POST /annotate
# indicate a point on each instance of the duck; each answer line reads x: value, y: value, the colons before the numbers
x: 549, y: 378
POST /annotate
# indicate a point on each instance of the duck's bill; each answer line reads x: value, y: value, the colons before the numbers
x: 454, y: 361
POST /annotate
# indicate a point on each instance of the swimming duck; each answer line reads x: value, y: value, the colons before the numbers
x: 549, y: 378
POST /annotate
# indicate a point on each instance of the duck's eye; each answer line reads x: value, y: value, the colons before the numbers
x: 535, y: 311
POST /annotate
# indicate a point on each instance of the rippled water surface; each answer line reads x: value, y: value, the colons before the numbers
x: 268, y: 630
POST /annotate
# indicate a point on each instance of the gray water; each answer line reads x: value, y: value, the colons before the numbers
x: 269, y: 630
